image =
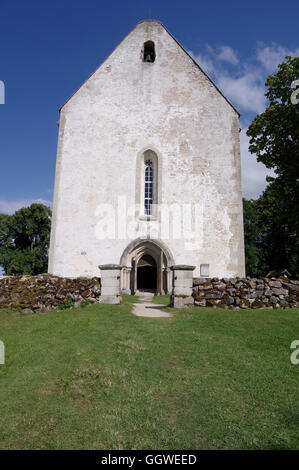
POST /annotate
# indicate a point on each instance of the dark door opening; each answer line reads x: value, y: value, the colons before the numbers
x: 146, y: 278
x: 147, y: 273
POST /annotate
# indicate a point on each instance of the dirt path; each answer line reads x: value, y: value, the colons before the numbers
x: 148, y: 309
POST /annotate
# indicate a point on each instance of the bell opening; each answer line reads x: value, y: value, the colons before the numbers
x: 149, y: 53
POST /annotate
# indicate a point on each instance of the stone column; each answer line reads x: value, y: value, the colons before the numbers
x: 182, y: 286
x: 160, y: 274
x: 169, y: 281
x: 125, y: 280
x: 128, y: 279
x: 110, y: 283
x: 134, y: 276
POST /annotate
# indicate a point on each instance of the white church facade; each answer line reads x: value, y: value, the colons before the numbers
x: 148, y: 169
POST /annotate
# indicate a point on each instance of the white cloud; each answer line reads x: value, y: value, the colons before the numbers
x: 243, y: 86
x: 228, y: 55
x: 9, y: 207
x: 243, y: 83
x: 253, y: 173
x: 270, y: 56
x: 204, y: 62
x: 245, y: 92
x: 208, y: 60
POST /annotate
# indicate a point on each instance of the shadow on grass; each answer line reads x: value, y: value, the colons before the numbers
x: 162, y: 299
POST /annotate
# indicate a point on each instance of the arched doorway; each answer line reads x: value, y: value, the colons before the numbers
x: 146, y: 266
x: 147, y: 274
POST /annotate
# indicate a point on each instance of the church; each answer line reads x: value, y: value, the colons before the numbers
x: 148, y: 172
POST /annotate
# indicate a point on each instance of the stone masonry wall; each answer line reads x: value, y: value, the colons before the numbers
x: 44, y: 292
x: 246, y: 293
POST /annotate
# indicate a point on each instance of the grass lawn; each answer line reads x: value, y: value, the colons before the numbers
x: 100, y: 378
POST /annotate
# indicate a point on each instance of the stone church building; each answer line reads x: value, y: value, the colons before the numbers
x: 148, y: 169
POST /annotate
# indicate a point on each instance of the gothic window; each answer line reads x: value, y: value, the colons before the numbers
x: 149, y: 53
x: 148, y: 187
x: 147, y: 192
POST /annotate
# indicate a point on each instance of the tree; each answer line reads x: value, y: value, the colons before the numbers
x: 274, y: 134
x: 24, y: 240
x: 274, y: 138
x: 251, y: 237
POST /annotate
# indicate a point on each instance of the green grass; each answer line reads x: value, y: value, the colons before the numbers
x: 162, y: 299
x: 98, y: 377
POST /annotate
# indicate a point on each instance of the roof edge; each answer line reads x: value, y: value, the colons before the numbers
x: 100, y: 65
x: 194, y: 61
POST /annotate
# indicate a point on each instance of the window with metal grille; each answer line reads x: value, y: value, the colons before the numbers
x: 148, y: 187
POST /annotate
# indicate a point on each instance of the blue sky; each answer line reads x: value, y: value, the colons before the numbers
x: 49, y: 47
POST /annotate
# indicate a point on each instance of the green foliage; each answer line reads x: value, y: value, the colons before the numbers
x: 66, y: 305
x: 271, y: 222
x: 268, y: 242
x: 4, y: 230
x: 85, y: 303
x: 251, y: 238
x: 24, y: 240
x: 274, y: 134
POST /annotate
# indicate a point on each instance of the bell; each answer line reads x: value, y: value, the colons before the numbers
x: 148, y: 58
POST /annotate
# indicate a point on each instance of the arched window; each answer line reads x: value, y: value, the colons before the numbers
x: 148, y: 187
x: 149, y: 53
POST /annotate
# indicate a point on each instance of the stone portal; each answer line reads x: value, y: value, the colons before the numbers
x: 146, y: 267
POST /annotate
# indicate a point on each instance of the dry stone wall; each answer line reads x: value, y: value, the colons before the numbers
x: 44, y: 292
x: 246, y: 293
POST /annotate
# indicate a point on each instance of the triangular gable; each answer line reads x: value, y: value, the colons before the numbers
x: 194, y: 61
